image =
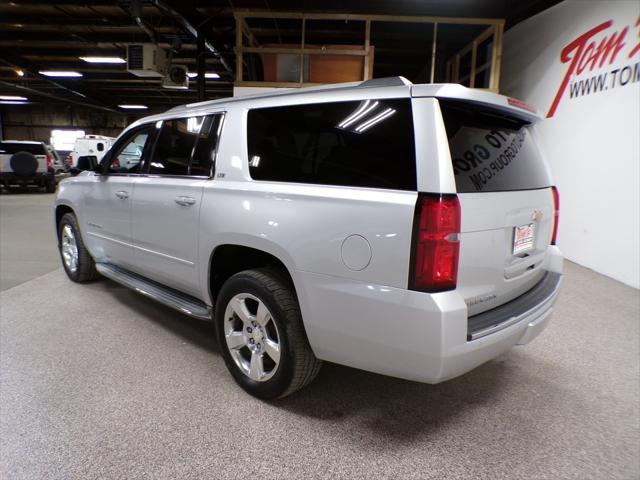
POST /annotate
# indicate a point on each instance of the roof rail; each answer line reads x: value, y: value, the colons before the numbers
x: 385, y: 82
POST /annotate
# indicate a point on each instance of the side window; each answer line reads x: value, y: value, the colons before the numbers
x: 175, y: 145
x: 206, y: 146
x: 365, y: 143
x: 130, y: 153
x: 100, y: 147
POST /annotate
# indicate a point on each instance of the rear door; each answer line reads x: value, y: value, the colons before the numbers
x: 503, y: 185
x: 167, y: 200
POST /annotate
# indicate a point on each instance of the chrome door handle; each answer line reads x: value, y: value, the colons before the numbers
x: 122, y: 195
x: 185, y: 201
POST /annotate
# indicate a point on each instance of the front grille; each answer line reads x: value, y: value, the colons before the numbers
x: 510, y: 312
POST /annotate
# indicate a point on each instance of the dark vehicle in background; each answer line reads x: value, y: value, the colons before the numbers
x: 26, y: 163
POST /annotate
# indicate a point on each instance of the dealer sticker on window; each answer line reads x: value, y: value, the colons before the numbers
x: 523, y: 238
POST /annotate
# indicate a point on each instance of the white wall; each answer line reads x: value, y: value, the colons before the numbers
x: 592, y: 140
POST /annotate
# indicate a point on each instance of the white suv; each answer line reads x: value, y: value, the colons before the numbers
x: 403, y: 229
x: 25, y: 163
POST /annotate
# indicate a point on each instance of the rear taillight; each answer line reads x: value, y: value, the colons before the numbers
x: 69, y: 160
x: 436, y: 243
x: 556, y: 214
x: 49, y: 162
x: 116, y: 163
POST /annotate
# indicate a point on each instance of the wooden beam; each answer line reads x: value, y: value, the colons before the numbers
x: 276, y: 84
x: 238, y: 49
x: 496, y: 58
x: 302, y: 51
x: 474, y: 56
x: 433, y: 53
x: 240, y: 13
x: 367, y: 48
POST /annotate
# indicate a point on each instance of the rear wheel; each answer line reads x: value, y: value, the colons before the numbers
x: 262, y: 338
x: 76, y: 259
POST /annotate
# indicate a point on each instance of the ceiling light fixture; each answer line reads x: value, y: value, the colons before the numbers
x: 206, y: 75
x: 103, y: 59
x: 133, y: 107
x: 12, y: 102
x: 59, y: 73
x: 19, y: 72
x: 13, y: 97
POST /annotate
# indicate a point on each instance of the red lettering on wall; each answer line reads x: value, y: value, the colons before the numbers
x: 573, y: 53
x: 636, y: 49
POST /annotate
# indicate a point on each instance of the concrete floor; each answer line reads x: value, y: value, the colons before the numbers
x: 27, y: 237
x: 99, y: 382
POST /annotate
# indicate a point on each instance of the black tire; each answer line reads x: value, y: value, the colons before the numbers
x: 86, y: 267
x: 297, y: 365
x: 23, y: 164
x: 50, y: 185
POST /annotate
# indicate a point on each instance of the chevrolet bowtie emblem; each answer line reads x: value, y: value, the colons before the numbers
x: 536, y: 215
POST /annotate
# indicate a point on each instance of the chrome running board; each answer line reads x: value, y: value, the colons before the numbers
x: 167, y: 296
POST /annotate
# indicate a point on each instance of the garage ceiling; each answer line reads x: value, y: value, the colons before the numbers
x: 42, y: 35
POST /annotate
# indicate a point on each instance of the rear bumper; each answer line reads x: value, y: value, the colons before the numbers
x: 39, y: 178
x: 407, y: 334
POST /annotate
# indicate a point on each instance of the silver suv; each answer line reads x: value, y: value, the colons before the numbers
x: 407, y: 230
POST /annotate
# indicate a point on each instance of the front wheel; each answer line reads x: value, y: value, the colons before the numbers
x: 262, y: 338
x: 76, y: 259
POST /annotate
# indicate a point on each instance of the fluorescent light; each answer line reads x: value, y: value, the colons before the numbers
x: 361, y: 112
x: 206, y: 75
x: 133, y: 107
x: 12, y: 102
x: 12, y: 97
x: 103, y: 59
x: 59, y: 73
x: 370, y: 123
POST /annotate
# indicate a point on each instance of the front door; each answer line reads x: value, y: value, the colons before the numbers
x: 107, y: 202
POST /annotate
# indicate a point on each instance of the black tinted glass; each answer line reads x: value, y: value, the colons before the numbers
x: 492, y: 151
x: 365, y: 143
x: 206, y: 144
x: 12, y: 147
x: 174, y: 146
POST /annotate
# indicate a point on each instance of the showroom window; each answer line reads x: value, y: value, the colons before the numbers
x: 64, y: 140
x: 365, y: 143
x: 174, y: 146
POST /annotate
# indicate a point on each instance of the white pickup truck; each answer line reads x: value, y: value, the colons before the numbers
x: 402, y: 229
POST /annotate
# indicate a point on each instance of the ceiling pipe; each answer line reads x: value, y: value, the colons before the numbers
x: 24, y: 89
x: 193, y: 31
x: 29, y: 67
x: 136, y: 13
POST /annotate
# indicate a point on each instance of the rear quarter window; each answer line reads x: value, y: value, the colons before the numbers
x: 9, y: 148
x: 492, y: 151
x: 365, y: 143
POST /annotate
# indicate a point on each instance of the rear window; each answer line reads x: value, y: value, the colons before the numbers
x: 492, y: 151
x: 365, y: 143
x: 10, y: 148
